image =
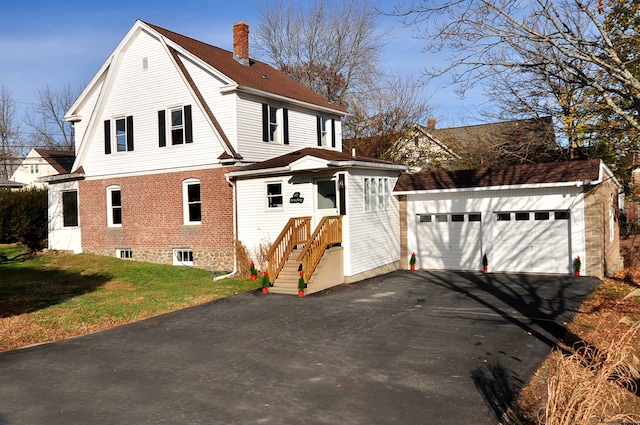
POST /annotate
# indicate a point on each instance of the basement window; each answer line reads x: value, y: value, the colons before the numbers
x: 183, y: 257
x: 124, y: 253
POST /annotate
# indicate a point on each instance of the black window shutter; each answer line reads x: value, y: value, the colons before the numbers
x: 130, y: 133
x: 319, y: 130
x: 107, y: 137
x: 265, y: 122
x: 285, y: 125
x: 333, y: 133
x: 162, y: 129
x: 188, y: 128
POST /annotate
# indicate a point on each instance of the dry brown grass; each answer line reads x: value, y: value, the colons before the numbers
x: 593, y: 386
x: 591, y: 382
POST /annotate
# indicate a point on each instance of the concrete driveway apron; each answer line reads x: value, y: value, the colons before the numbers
x: 403, y: 348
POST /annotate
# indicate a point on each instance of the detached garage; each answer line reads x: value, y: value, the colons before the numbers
x: 527, y: 218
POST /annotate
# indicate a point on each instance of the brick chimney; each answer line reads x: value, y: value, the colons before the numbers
x: 241, y: 42
x: 431, y: 123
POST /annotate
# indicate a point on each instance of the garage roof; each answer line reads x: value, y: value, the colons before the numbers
x: 529, y: 174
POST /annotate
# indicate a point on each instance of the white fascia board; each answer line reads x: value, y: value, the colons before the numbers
x: 259, y: 173
x: 493, y: 188
x: 155, y: 171
x: 249, y: 90
x: 369, y: 165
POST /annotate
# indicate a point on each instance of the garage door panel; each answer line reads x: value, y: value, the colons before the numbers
x: 453, y: 245
x: 535, y: 245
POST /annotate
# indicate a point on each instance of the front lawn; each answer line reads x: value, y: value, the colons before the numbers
x: 50, y: 297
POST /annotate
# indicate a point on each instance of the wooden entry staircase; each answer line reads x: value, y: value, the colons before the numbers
x: 295, y: 251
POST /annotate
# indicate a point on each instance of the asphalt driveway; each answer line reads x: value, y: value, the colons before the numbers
x: 403, y: 348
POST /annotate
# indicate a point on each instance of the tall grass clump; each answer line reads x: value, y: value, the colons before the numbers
x: 591, y: 386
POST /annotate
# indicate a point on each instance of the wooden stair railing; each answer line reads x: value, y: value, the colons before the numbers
x: 327, y: 233
x: 295, y: 232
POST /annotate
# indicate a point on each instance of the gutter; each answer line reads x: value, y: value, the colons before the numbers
x: 503, y: 187
x: 235, y: 236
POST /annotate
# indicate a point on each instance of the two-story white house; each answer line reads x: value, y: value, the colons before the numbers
x: 41, y: 163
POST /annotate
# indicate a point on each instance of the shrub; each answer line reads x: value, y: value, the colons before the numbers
x: 23, y: 218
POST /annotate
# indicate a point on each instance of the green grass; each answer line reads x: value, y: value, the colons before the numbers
x: 49, y: 297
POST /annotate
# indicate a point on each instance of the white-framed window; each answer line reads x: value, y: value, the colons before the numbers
x: 326, y: 132
x: 125, y: 254
x: 175, y: 125
x: 118, y: 135
x: 275, y: 199
x: 183, y: 257
x: 376, y: 193
x: 192, y: 201
x: 114, y: 206
x: 34, y: 168
x: 275, y: 124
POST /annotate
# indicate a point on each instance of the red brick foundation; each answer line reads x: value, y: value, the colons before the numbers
x: 152, y: 218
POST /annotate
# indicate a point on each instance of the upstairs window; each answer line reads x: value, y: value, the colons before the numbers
x: 180, y: 128
x: 192, y: 201
x: 118, y: 135
x: 114, y: 206
x: 275, y: 124
x: 326, y: 131
x: 34, y: 169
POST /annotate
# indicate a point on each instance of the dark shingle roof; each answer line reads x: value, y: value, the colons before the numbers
x: 326, y: 154
x: 552, y: 172
x: 62, y: 161
x: 257, y: 75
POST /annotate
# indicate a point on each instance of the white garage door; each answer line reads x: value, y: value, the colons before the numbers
x: 449, y: 241
x: 536, y: 241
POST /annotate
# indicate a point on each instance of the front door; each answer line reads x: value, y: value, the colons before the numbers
x: 326, y: 199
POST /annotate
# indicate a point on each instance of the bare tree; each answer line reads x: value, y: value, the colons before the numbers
x: 578, y: 45
x: 378, y: 121
x: 8, y: 133
x: 331, y: 46
x: 46, y: 118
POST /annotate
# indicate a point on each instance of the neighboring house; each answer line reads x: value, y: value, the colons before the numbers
x: 41, y: 163
x: 482, y: 145
x: 10, y: 185
x: 525, y: 218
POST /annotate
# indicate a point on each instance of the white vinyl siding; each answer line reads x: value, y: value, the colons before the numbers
x: 142, y: 93
x: 61, y: 237
x: 366, y: 248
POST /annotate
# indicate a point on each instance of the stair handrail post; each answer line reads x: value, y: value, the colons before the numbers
x: 327, y: 232
x: 283, y: 245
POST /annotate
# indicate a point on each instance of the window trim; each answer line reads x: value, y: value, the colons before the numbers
x: 112, y: 208
x: 280, y: 121
x: 376, y: 193
x: 269, y: 197
x: 166, y: 128
x: 182, y: 262
x: 326, y: 131
x: 111, y: 135
x: 186, y: 203
x: 124, y: 253
x: 76, y: 221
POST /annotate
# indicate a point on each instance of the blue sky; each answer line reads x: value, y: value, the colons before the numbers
x: 60, y: 42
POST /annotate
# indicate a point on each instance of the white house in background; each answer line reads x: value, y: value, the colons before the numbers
x: 41, y: 163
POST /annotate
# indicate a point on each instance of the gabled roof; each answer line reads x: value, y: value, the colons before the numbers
x: 61, y: 161
x: 258, y: 75
x: 531, y: 174
x: 8, y: 184
x: 333, y: 158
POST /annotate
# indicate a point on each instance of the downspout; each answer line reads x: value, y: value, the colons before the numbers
x: 235, y: 235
